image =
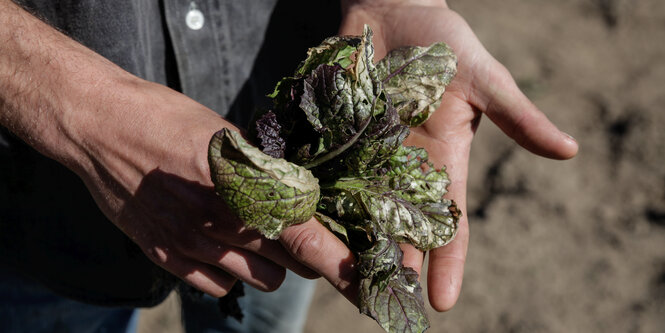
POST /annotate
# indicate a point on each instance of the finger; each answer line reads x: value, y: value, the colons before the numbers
x: 232, y: 231
x: 207, y: 279
x: 252, y: 241
x: 274, y: 251
x: 316, y: 247
x: 446, y: 264
x: 504, y: 103
x: 256, y: 270
x: 446, y: 270
x: 413, y: 257
x: 447, y: 137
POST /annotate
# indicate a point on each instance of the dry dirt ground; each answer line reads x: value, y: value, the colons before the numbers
x: 575, y: 246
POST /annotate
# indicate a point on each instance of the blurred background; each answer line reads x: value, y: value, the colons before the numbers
x: 572, y: 246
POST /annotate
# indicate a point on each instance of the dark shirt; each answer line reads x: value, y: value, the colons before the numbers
x: 50, y: 228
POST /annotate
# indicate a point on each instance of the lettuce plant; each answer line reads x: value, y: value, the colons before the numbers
x: 331, y: 147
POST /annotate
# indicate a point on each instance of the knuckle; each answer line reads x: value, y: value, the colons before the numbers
x: 188, y: 245
x: 306, y: 245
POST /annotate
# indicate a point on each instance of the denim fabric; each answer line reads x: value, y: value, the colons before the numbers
x: 281, y: 311
x: 26, y: 306
x: 50, y: 227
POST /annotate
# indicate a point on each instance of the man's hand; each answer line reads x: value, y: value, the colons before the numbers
x: 482, y: 86
x: 141, y: 150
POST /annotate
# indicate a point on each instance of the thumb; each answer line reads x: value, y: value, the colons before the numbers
x: 499, y: 97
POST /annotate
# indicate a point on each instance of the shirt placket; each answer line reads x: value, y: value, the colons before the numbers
x: 199, y: 36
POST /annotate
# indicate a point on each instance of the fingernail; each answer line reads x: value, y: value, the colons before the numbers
x: 573, y: 146
x: 570, y: 137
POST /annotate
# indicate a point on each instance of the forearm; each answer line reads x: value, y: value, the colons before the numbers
x: 45, y: 77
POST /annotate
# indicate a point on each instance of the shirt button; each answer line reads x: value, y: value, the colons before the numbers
x: 194, y: 18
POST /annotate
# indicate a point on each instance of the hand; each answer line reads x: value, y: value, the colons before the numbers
x: 148, y: 172
x: 482, y: 86
x: 153, y: 181
x: 141, y: 150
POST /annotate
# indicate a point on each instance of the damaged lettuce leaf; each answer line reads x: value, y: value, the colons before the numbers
x: 381, y: 140
x: 390, y: 292
x: 268, y: 194
x: 402, y: 197
x: 376, y: 200
x: 416, y: 77
x: 399, y: 306
x: 340, y: 120
x: 267, y: 131
x: 326, y: 106
x: 414, y: 178
x: 381, y: 261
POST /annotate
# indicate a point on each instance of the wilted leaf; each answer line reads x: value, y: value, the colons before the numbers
x: 414, y: 178
x: 333, y: 50
x: 372, y: 199
x: 382, y: 260
x: 268, y: 194
x: 389, y: 292
x: 399, y: 306
x: 268, y: 132
x: 416, y: 77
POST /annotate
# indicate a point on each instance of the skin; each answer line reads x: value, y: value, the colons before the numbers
x: 141, y: 148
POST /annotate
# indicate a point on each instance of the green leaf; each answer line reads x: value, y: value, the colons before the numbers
x: 268, y: 194
x: 414, y: 178
x: 416, y: 77
x: 403, y: 200
x: 445, y: 216
x: 401, y: 219
x: 367, y: 84
x: 406, y: 222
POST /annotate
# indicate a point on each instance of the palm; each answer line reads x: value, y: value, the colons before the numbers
x: 481, y: 85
